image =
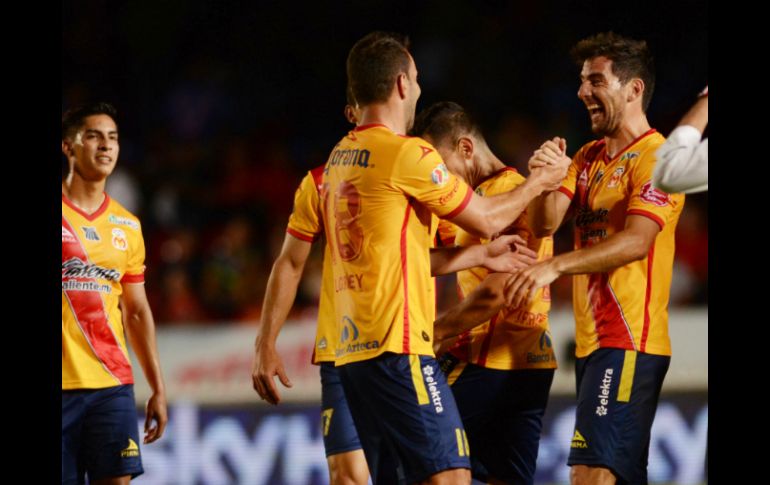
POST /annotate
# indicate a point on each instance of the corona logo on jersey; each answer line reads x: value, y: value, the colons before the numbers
x: 348, y: 339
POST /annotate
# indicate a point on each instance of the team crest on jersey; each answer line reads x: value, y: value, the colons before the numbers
x: 119, y: 239
x: 653, y: 196
x: 91, y: 233
x: 615, y: 178
x: 440, y: 175
x: 66, y: 236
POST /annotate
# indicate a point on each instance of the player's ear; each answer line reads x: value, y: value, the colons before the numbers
x: 636, y: 89
x: 402, y: 84
x: 465, y: 147
x: 66, y: 148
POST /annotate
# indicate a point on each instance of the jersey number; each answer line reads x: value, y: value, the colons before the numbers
x: 348, y: 233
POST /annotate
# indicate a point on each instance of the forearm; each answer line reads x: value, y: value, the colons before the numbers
x: 698, y: 115
x: 140, y: 330
x: 615, y: 251
x: 543, y: 216
x: 279, y: 298
x: 478, y: 307
x: 500, y: 211
x: 453, y: 259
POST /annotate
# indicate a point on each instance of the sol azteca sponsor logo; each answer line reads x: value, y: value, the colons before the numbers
x: 604, y: 393
x: 349, y: 333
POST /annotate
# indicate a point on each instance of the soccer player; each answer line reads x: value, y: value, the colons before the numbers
x: 501, y: 371
x: 345, y: 458
x: 622, y: 262
x: 380, y: 191
x: 102, y: 263
x: 683, y: 160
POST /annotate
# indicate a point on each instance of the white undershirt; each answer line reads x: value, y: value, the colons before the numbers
x: 683, y: 162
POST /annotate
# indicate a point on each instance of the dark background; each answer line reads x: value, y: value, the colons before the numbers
x: 224, y: 106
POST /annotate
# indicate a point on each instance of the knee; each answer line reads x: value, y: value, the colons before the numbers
x: 348, y: 469
x: 590, y: 475
x: 455, y: 476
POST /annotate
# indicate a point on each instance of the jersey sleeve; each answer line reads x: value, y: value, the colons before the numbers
x: 304, y: 221
x: 421, y: 173
x: 646, y: 200
x: 136, y: 253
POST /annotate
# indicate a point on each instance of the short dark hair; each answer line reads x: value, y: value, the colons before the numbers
x: 373, y: 65
x: 74, y: 118
x: 630, y: 58
x: 351, y: 101
x: 445, y: 122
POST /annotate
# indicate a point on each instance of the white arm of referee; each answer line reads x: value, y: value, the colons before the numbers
x: 682, y: 165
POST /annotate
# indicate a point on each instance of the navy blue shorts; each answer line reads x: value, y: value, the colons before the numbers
x: 99, y: 434
x: 502, y: 411
x: 406, y: 417
x: 618, y: 394
x: 339, y: 432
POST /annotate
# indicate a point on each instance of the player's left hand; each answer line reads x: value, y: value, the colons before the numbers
x: 508, y: 254
x: 521, y: 288
x: 157, y: 412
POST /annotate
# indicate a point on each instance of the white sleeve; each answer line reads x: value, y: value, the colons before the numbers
x: 683, y: 162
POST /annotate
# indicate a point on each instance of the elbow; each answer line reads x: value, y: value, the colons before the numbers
x: 543, y: 231
x: 639, y: 249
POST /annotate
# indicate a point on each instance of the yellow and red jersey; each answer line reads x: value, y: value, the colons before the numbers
x: 99, y: 253
x: 515, y: 338
x: 379, y: 195
x: 305, y: 224
x: 626, y: 308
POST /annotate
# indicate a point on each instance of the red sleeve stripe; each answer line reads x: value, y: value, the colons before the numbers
x: 300, y: 236
x: 462, y: 205
x: 567, y: 192
x: 404, y: 275
x: 132, y: 278
x: 645, y: 331
x: 649, y: 215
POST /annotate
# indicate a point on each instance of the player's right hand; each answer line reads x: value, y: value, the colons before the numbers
x: 267, y: 365
x: 549, y: 153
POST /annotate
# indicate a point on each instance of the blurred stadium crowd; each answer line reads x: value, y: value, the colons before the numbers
x: 217, y: 131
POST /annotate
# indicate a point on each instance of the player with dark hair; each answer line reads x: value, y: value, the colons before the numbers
x: 102, y: 265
